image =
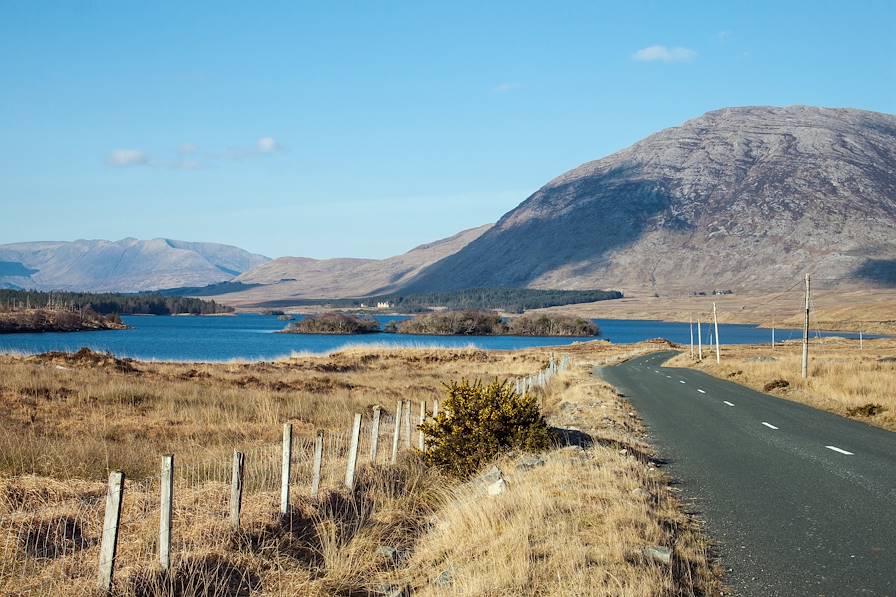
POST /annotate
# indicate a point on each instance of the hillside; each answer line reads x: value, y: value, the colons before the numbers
x: 127, y: 265
x: 740, y: 198
x: 300, y: 277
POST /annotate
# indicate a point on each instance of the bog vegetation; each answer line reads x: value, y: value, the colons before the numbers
x: 575, y: 522
x: 109, y: 303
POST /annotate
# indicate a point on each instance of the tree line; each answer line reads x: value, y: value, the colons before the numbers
x: 511, y: 300
x: 109, y: 303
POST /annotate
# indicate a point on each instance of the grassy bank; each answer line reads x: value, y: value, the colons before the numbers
x: 854, y: 383
x: 573, y: 521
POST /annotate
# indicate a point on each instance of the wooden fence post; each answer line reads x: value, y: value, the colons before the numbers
x: 165, y: 509
x: 407, y: 425
x: 396, y: 436
x: 236, y: 489
x: 435, y: 408
x: 285, y: 468
x: 318, y: 461
x: 109, y: 543
x: 352, y: 462
x: 374, y: 433
x: 421, y: 441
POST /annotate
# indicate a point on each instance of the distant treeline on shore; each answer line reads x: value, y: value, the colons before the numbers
x: 511, y: 300
x: 109, y: 303
x: 467, y: 322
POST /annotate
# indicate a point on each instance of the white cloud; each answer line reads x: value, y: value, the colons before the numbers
x: 268, y: 145
x: 127, y: 157
x: 187, y: 148
x: 664, y: 54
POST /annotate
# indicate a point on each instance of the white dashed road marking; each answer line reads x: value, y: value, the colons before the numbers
x: 701, y: 391
x: 728, y: 403
x: 836, y: 449
x: 769, y: 425
x: 681, y: 381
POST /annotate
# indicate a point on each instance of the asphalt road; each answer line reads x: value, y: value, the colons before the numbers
x: 801, y: 502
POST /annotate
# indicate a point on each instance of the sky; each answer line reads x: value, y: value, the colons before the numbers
x: 363, y: 129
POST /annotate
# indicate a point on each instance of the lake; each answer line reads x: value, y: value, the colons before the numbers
x: 252, y: 337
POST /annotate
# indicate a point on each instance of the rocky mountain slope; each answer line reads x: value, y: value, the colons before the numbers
x: 301, y: 277
x: 127, y: 265
x: 741, y: 198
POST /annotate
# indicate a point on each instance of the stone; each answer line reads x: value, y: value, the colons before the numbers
x: 572, y: 449
x: 660, y: 555
x: 388, y: 552
x: 491, y: 475
x: 497, y: 488
x: 445, y: 579
x: 528, y: 462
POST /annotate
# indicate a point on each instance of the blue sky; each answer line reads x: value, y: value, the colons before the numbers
x: 364, y: 129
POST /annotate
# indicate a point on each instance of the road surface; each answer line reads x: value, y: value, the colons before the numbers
x: 801, y: 502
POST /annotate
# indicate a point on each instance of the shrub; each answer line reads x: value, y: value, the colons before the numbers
x: 552, y: 324
x: 478, y: 422
x: 333, y: 323
x: 455, y: 323
x: 776, y: 384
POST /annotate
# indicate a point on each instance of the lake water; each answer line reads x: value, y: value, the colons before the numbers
x: 252, y: 337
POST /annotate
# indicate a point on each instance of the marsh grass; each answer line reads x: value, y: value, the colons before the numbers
x: 572, y: 526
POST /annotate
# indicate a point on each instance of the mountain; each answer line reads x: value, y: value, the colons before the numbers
x: 127, y: 265
x: 739, y: 198
x: 301, y: 277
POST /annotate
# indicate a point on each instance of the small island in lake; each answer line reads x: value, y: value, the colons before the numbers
x: 472, y: 322
x: 57, y: 320
x: 333, y: 323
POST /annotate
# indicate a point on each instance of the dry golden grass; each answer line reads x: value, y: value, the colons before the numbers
x: 577, y: 525
x: 70, y: 417
x: 843, y: 379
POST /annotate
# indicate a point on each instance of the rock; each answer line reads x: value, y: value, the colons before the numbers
x: 623, y: 451
x: 661, y: 555
x: 388, y: 552
x: 887, y: 360
x: 497, y: 488
x: 775, y: 385
x: 573, y: 448
x: 445, y: 579
x: 640, y: 492
x: 762, y: 359
x: 491, y: 475
x: 528, y: 462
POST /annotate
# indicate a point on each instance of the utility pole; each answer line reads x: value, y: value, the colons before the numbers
x: 715, y: 320
x: 699, y: 339
x: 806, y: 334
x: 692, y: 336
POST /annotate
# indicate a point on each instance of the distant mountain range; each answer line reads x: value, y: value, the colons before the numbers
x: 740, y: 198
x: 127, y: 265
